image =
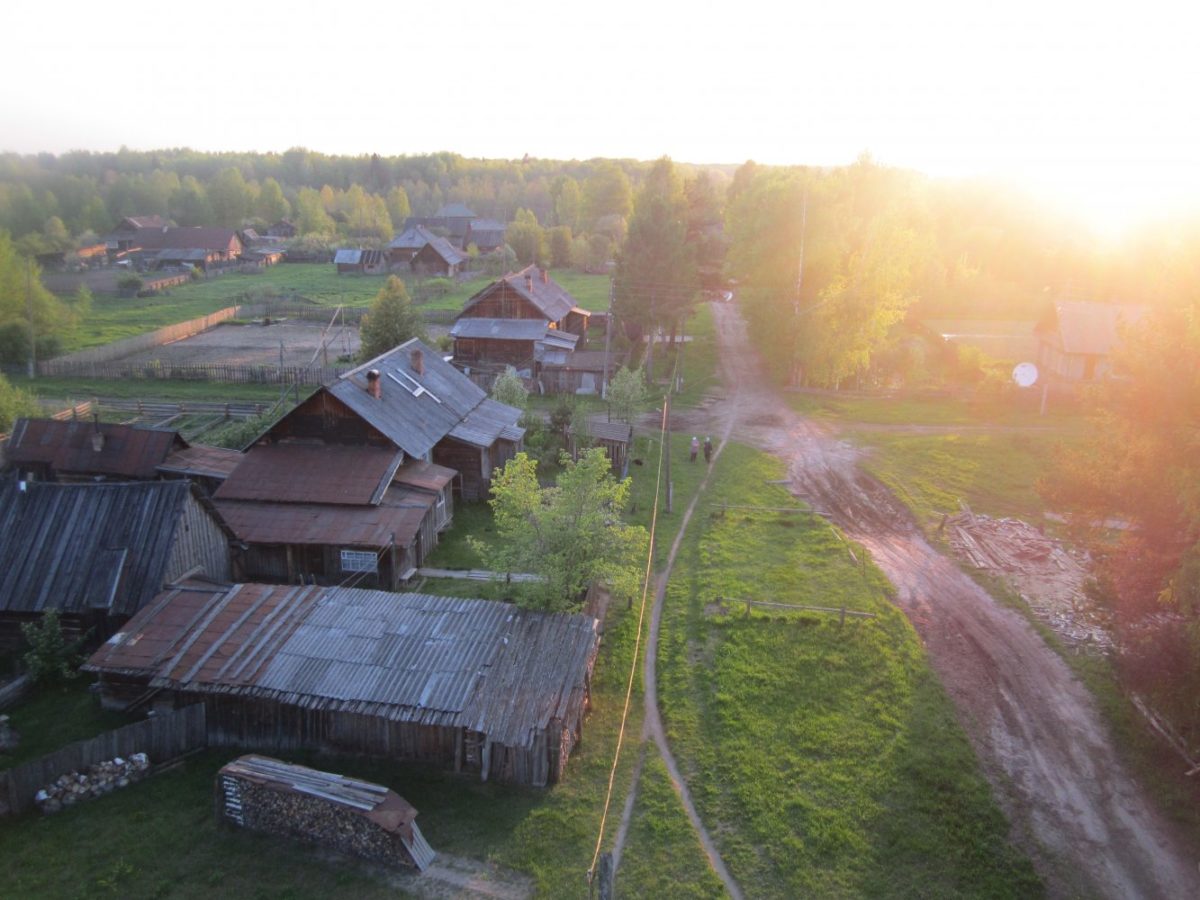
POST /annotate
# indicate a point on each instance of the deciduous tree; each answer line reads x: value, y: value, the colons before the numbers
x: 571, y: 534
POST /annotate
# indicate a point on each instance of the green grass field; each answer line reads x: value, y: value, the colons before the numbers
x: 112, y: 318
x: 824, y: 758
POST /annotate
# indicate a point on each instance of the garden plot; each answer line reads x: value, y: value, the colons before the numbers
x: 300, y: 344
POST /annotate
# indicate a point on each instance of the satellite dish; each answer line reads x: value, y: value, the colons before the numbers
x: 1025, y: 374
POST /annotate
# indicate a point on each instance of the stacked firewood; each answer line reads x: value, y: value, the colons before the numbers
x: 102, y: 778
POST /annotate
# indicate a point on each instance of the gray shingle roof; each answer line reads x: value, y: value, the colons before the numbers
x: 546, y: 294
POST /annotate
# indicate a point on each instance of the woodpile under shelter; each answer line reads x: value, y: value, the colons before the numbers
x: 98, y: 553
x: 338, y: 813
x: 475, y: 686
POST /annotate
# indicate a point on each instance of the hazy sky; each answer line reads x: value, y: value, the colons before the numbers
x: 1093, y: 104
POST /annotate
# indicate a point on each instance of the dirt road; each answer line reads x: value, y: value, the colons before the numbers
x: 1075, y: 810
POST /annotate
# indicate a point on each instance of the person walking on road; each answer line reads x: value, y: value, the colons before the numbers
x: 708, y: 450
x: 695, y: 448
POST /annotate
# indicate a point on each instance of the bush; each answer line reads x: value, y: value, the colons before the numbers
x: 14, y: 344
x: 129, y: 285
x: 51, y: 658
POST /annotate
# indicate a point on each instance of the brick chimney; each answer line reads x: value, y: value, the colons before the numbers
x: 545, y: 276
x: 418, y: 361
x: 374, y: 384
x: 529, y: 281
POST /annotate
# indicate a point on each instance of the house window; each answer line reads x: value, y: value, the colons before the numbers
x: 359, y: 561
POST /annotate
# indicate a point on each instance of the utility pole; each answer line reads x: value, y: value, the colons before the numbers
x: 607, y: 344
x: 800, y: 278
x: 29, y: 312
x: 667, y: 443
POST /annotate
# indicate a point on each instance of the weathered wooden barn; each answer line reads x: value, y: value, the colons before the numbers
x: 197, y: 245
x: 437, y: 259
x: 360, y: 262
x: 404, y: 246
x: 475, y: 686
x: 410, y: 399
x: 614, y: 437
x: 98, y: 553
x: 488, y: 345
x: 486, y: 234
x: 318, y: 513
x: 1076, y: 339
x: 565, y: 371
x: 88, y: 450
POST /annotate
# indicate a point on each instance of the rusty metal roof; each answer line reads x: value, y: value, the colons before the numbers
x: 75, y: 547
x: 425, y: 476
x: 127, y: 451
x: 312, y: 473
x: 418, y: 409
x: 259, y: 522
x: 487, y: 666
x: 202, y: 461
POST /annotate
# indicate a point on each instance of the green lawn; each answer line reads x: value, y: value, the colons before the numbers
x: 53, y: 717
x: 1020, y: 409
x: 824, y: 758
x: 994, y: 474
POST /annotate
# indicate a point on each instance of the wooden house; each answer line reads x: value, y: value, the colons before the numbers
x: 126, y: 235
x: 312, y: 512
x: 437, y: 259
x: 201, y: 247
x: 284, y: 228
x: 1076, y: 339
x: 486, y: 234
x: 515, y: 321
x: 98, y: 553
x: 456, y: 218
x: 411, y: 400
x: 82, y: 450
x: 360, y: 262
x: 404, y: 246
x: 472, y: 686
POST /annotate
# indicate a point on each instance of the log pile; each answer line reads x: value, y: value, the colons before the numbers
x: 100, y: 779
x: 352, y: 817
x: 1048, y: 576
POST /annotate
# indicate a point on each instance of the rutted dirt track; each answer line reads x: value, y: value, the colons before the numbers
x: 1043, y: 746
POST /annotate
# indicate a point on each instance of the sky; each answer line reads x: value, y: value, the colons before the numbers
x: 1091, y: 106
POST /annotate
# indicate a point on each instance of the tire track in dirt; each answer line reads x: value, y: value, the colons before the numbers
x: 1036, y: 730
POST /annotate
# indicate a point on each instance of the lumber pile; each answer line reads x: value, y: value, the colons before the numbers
x: 1048, y: 576
x: 338, y: 813
x: 100, y: 779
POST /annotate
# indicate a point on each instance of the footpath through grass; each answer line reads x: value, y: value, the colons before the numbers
x: 824, y: 757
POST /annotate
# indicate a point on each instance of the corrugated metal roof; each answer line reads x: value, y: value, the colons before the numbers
x: 418, y: 409
x: 258, y: 522
x: 68, y: 546
x: 434, y: 660
x: 128, y: 451
x: 202, y: 461
x: 347, y: 257
x: 500, y: 329
x: 312, y: 473
x: 424, y: 475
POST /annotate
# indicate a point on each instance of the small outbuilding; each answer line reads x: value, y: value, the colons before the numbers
x: 475, y: 686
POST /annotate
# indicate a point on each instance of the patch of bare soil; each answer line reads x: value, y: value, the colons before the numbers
x: 301, y: 343
x: 1036, y: 730
x: 1049, y: 576
x: 458, y: 877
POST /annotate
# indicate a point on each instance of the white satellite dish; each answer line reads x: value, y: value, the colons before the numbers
x: 1025, y: 374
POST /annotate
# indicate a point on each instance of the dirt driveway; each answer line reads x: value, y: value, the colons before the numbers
x: 1075, y: 810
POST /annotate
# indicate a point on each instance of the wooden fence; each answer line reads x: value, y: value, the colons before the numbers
x: 163, y: 738
x: 159, y: 371
x: 78, y: 363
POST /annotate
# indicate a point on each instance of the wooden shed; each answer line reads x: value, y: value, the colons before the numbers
x: 98, y: 553
x: 1076, y: 340
x: 474, y: 686
x: 437, y: 258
